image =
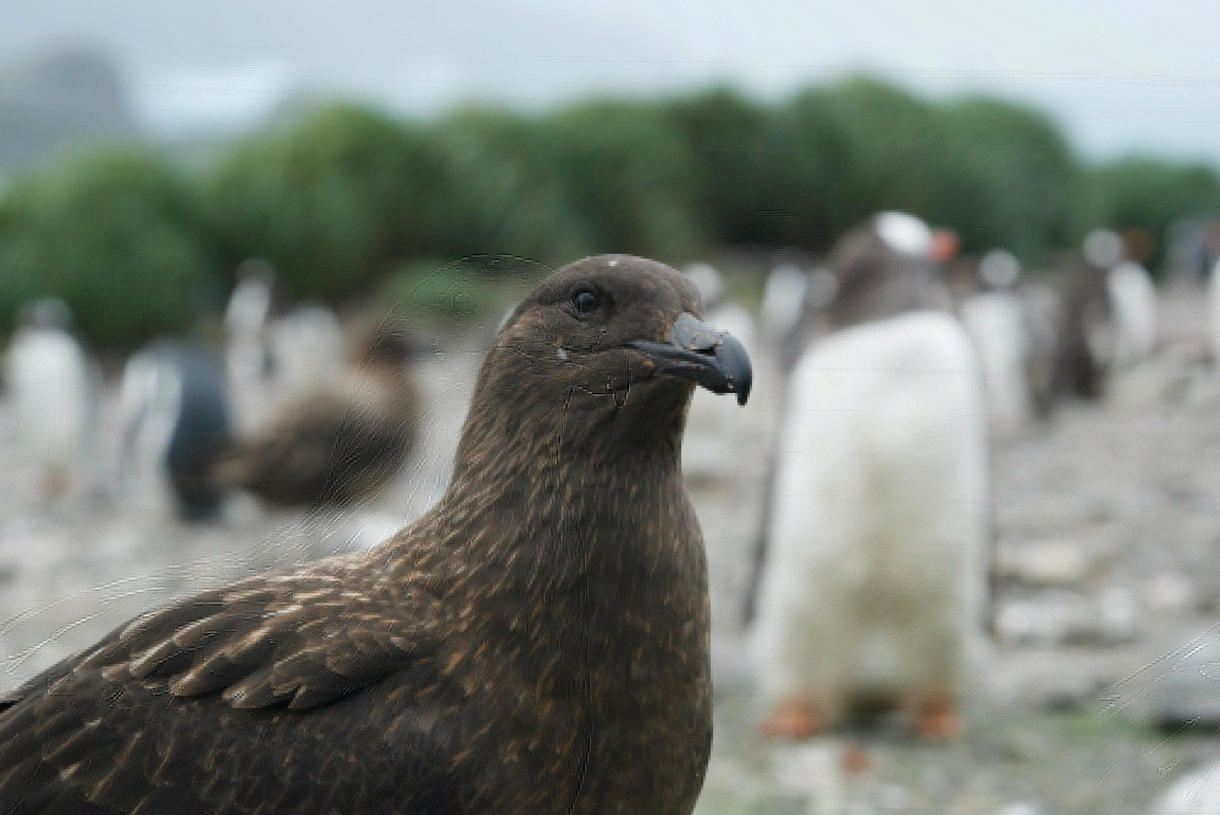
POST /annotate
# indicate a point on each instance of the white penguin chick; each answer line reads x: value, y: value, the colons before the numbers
x: 874, y: 589
x: 53, y: 396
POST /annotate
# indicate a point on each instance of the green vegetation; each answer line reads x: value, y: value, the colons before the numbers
x: 1148, y: 193
x: 119, y: 236
x: 352, y: 201
x: 333, y: 202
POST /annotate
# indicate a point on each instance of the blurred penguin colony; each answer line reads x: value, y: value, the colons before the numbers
x: 287, y: 405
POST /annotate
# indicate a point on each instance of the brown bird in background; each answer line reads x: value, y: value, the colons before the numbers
x: 536, y: 643
x: 337, y: 443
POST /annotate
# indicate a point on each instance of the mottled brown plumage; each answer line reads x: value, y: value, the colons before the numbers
x: 536, y: 643
x: 338, y: 443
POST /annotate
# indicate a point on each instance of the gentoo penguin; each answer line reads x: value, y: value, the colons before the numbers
x: 782, y: 300
x: 176, y: 419
x: 1134, y: 301
x: 1086, y: 351
x: 1132, y: 298
x: 883, y: 268
x: 1042, y: 310
x: 715, y: 436
x: 872, y: 587
x: 994, y: 317
x: 536, y: 644
x: 54, y: 394
x: 335, y: 443
x: 275, y: 353
x: 248, y: 354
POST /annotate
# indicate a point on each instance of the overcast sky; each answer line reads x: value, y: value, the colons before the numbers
x: 1120, y: 76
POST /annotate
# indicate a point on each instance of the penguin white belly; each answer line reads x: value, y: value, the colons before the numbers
x: 997, y: 329
x: 875, y: 578
x: 1133, y: 299
x: 48, y: 380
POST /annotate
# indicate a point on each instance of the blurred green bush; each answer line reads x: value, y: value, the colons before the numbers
x: 474, y: 288
x: 1024, y: 180
x: 1148, y: 193
x: 507, y: 194
x: 120, y: 236
x: 332, y: 202
x: 349, y: 201
x: 627, y: 176
x: 800, y: 173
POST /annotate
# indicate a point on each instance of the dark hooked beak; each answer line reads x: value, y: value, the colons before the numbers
x: 712, y: 358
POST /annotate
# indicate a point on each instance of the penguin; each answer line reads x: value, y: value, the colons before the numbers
x: 1134, y: 300
x: 176, y: 418
x: 872, y: 591
x: 782, y: 301
x: 1087, y: 344
x: 248, y: 357
x: 996, y: 321
x: 54, y: 392
x: 1042, y: 313
x: 275, y: 353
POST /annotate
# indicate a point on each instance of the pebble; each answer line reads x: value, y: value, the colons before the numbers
x: 1105, y: 618
x: 1059, y: 562
x: 1195, y: 793
x: 1169, y: 592
x: 814, y: 769
x: 1187, y: 694
x: 1020, y: 808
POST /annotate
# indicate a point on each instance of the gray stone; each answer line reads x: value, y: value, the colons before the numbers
x: 1169, y: 592
x: 1187, y: 693
x: 1020, y: 808
x: 1058, y: 561
x: 1195, y: 793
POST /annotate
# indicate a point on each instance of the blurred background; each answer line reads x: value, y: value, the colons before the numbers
x: 227, y: 229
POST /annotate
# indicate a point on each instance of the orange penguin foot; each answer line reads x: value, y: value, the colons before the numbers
x: 792, y: 719
x: 937, y: 719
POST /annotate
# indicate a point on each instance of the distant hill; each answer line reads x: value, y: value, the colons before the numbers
x: 58, y: 100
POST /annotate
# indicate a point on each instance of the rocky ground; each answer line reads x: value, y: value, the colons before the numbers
x: 1101, y: 688
x: 1107, y: 645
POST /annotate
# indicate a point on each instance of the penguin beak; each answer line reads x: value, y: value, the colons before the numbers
x: 713, y: 359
